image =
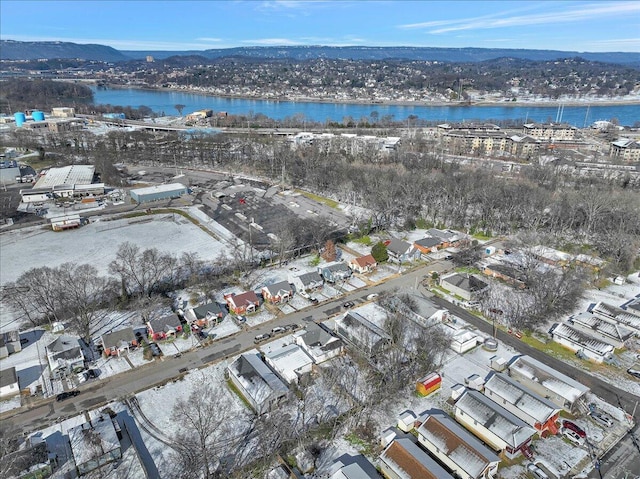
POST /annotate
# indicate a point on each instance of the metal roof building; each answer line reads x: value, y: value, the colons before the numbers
x: 67, y: 175
x: 158, y: 192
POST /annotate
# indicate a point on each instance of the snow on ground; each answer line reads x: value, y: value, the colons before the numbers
x: 226, y: 327
x: 9, y: 404
x: 373, y: 312
x: 383, y: 271
x: 613, y: 294
x: 558, y: 455
x: 262, y: 316
x: 99, y: 241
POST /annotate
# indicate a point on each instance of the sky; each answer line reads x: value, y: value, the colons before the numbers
x: 574, y: 25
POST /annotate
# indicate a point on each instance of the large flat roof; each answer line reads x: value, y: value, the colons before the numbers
x: 67, y: 175
x: 159, y: 188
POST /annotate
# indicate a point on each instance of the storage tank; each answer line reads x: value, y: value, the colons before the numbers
x: 37, y: 116
x: 20, y: 118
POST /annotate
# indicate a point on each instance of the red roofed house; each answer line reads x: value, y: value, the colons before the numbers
x: 242, y: 303
x: 363, y: 264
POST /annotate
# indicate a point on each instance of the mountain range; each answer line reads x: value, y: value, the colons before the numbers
x: 16, y: 50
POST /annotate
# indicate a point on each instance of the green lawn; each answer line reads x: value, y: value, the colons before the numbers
x: 320, y: 199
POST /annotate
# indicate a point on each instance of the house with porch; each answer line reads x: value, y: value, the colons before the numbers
x: 493, y: 424
x: 401, y: 252
x: 276, y: 293
x: 334, y: 272
x: 560, y: 389
x: 205, y: 315
x: 364, y: 264
x: 516, y: 398
x: 117, y: 342
x: 165, y: 327
x: 455, y: 447
x: 311, y: 281
x: 404, y: 459
x: 428, y: 245
x: 242, y: 303
x: 64, y: 356
x: 257, y: 382
x: 318, y: 343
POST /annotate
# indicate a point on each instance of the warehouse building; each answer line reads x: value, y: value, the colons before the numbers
x: 158, y: 192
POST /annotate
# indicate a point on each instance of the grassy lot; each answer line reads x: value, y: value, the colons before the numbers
x: 481, y: 236
x: 556, y: 350
x: 320, y: 199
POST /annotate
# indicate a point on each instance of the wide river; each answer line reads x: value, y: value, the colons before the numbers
x: 164, y: 102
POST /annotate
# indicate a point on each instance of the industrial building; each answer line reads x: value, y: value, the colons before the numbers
x: 9, y: 171
x: 158, y: 192
x: 66, y: 175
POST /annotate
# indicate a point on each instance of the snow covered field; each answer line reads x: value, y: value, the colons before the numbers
x: 98, y: 242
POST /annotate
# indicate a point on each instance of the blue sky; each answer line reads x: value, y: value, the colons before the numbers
x: 573, y: 25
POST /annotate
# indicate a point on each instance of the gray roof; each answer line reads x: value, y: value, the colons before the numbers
x: 618, y: 315
x: 466, y: 282
x: 312, y: 277
x: 601, y: 326
x: 397, y: 246
x: 8, y: 377
x: 281, y: 287
x: 581, y: 339
x: 63, y: 343
x: 404, y: 455
x: 527, y: 401
x: 202, y: 310
x: 462, y: 447
x: 115, y: 338
x: 505, y: 425
x: 429, y: 242
x: 171, y: 321
x: 251, y: 367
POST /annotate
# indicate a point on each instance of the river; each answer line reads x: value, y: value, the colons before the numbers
x: 164, y: 101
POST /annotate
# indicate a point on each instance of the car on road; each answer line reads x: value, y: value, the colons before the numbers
x: 278, y: 330
x: 372, y: 296
x: 292, y: 327
x: 536, y: 472
x: 573, y: 437
x: 261, y: 337
x: 67, y: 394
x: 348, y: 304
x: 601, y: 418
x: 572, y: 426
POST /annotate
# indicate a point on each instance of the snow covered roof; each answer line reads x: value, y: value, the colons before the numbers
x: 360, y: 330
x: 618, y: 315
x: 66, y: 175
x: 93, y: 440
x: 580, y: 339
x: 551, y: 379
x: 288, y: 359
x: 527, y: 401
x: 408, y: 461
x: 456, y: 442
x: 257, y: 378
x: 115, y: 338
x: 488, y: 414
x: 159, y: 188
x: 601, y: 326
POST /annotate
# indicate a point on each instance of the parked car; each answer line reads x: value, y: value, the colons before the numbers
x: 601, y: 418
x: 634, y: 371
x: 278, y: 330
x: 372, y: 296
x: 573, y: 437
x: 155, y: 349
x: 67, y: 394
x: 572, y: 426
x: 261, y: 337
x: 241, y: 319
x: 91, y: 373
x: 314, y: 300
x: 348, y: 304
x: 292, y: 327
x: 536, y: 472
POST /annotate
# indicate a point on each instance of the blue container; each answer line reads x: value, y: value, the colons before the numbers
x: 37, y: 116
x: 20, y: 118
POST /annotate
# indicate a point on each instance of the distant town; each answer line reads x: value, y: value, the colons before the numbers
x: 203, y: 294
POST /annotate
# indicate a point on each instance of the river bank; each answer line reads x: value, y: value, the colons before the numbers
x: 519, y: 102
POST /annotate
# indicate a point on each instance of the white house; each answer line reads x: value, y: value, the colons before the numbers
x: 307, y: 281
x: 452, y: 445
x: 547, y: 382
x: 601, y: 329
x: 290, y: 362
x: 9, y: 383
x: 64, y: 356
x: 362, y: 333
x: 318, y: 343
x: 618, y: 316
x: 404, y: 459
x: 580, y: 342
x: 493, y: 424
x: 94, y: 444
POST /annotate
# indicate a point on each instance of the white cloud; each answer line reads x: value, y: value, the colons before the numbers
x: 272, y: 41
x: 208, y: 39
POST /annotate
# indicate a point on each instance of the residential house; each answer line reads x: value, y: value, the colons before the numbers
x: 465, y: 285
x: 318, y: 343
x: 601, y: 329
x: 352, y: 467
x: 205, y: 315
x: 516, y: 398
x: 452, y: 445
x: 426, y: 312
x: 401, y: 251
x: 581, y: 343
x: 548, y: 382
x: 64, y: 356
x: 290, y: 362
x: 493, y: 424
x: 404, y: 459
x: 118, y: 342
x: 618, y: 316
x: 633, y: 306
x: 280, y: 292
x: 551, y: 256
x: 361, y: 333
x: 163, y: 328
x: 428, y: 245
x: 257, y: 383
x: 307, y: 281
x: 626, y: 149
x: 364, y: 264
x: 10, y: 343
x: 9, y: 383
x: 94, y: 444
x: 508, y: 273
x: 334, y: 272
x: 448, y: 238
x: 462, y: 340
x: 246, y: 302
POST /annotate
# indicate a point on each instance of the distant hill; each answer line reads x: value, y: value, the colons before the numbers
x: 381, y: 53
x: 13, y: 50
